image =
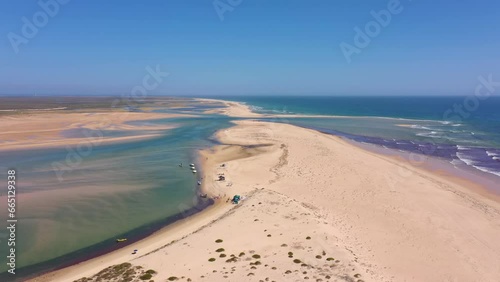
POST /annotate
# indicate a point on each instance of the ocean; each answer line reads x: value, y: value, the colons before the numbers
x: 133, y: 189
x: 451, y: 128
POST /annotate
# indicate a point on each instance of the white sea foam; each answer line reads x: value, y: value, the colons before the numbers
x: 416, y: 126
x: 256, y: 108
x: 475, y: 165
x: 484, y: 169
x: 431, y: 134
x: 464, y: 159
x: 462, y: 147
x: 491, y: 154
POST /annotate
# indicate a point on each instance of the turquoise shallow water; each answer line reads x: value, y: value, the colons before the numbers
x: 456, y: 129
x: 131, y: 189
x: 116, y: 190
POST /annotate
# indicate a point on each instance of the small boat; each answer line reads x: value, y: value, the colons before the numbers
x: 199, y: 182
x: 194, y: 170
x: 192, y: 165
x: 121, y: 240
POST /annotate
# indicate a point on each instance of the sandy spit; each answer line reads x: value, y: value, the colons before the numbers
x: 316, y: 206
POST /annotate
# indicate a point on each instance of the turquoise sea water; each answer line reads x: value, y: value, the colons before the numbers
x: 71, y: 209
x: 464, y: 131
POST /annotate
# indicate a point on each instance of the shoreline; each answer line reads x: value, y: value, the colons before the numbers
x: 483, y: 182
x: 241, y: 157
x: 480, y: 184
x: 161, y: 238
x: 108, y: 246
x: 241, y: 109
x: 431, y: 164
x: 445, y: 192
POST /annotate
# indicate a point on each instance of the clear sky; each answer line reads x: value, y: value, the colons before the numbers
x: 429, y: 47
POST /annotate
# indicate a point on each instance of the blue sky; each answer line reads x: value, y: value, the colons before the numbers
x: 261, y: 47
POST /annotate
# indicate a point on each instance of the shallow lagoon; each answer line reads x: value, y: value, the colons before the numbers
x: 70, y: 208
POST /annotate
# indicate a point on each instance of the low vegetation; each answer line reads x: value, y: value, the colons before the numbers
x: 124, y: 272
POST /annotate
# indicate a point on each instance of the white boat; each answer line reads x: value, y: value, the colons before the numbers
x: 191, y: 165
x: 194, y: 170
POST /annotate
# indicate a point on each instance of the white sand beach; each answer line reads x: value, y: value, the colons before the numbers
x: 316, y: 208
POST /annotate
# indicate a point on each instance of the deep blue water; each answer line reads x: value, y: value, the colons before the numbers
x: 462, y: 130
